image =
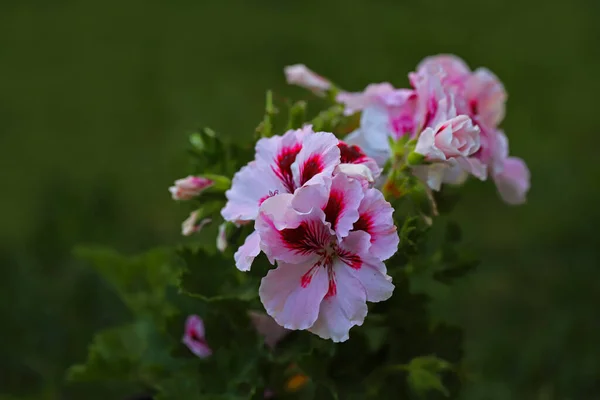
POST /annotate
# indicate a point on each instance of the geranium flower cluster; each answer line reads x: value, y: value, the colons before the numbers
x: 452, y: 112
x: 313, y: 199
x: 318, y: 218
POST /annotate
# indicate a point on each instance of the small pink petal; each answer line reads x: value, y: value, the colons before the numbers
x: 486, y: 97
x: 247, y: 252
x: 318, y: 157
x: 514, y: 181
x: 341, y: 210
x: 376, y: 219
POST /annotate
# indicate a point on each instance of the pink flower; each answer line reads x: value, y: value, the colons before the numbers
x: 189, y: 187
x: 191, y: 224
x: 329, y: 242
x: 193, y: 337
x: 300, y: 75
x: 266, y: 326
x: 456, y: 137
x: 453, y: 143
x: 282, y: 165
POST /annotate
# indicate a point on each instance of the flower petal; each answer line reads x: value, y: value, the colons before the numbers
x: 251, y: 185
x: 246, y: 253
x: 292, y: 293
x: 372, y: 136
x: 341, y: 210
x: 318, y: 157
x: 375, y: 218
x: 368, y: 269
x: 514, y: 181
x: 344, y: 309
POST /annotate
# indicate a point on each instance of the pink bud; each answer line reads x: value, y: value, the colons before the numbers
x: 222, y: 237
x: 191, y: 224
x: 300, y: 75
x: 189, y: 187
x: 194, y: 337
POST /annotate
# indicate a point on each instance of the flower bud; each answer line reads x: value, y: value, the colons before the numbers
x: 300, y: 75
x: 191, y: 224
x: 189, y: 187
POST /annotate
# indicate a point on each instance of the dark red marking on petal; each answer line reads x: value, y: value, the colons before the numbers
x: 283, y: 168
x: 307, y: 277
x: 334, y: 207
x: 309, y: 237
x: 350, y: 259
x: 196, y: 337
x: 364, y: 223
x: 310, y: 168
x: 473, y: 107
x: 332, y: 289
x: 350, y: 154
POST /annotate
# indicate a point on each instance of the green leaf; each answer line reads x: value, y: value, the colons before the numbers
x: 132, y: 353
x: 423, y: 375
x: 141, y: 281
x: 210, y: 277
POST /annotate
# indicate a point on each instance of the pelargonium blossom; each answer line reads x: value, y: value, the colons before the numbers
x: 440, y: 81
x: 329, y: 242
x: 282, y: 165
x: 194, y: 337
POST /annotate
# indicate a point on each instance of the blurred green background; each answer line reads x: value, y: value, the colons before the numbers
x: 96, y: 99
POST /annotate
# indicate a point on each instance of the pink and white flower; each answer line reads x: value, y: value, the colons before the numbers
x: 443, y: 88
x: 452, y: 143
x: 189, y: 187
x: 456, y: 137
x: 194, y: 337
x: 300, y: 75
x: 329, y: 242
x: 283, y: 164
